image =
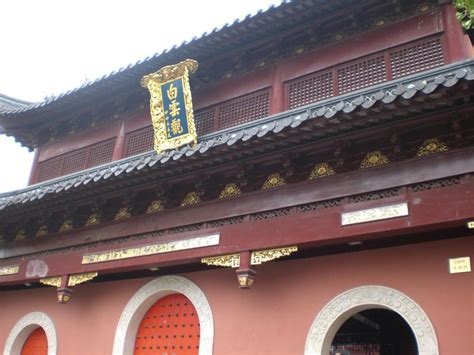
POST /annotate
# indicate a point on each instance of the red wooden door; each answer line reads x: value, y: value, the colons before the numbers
x: 36, y: 343
x: 170, y: 327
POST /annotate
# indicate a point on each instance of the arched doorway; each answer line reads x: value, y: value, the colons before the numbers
x: 171, y: 326
x: 33, y: 331
x: 36, y: 343
x: 374, y: 332
x: 344, y: 306
x: 144, y: 300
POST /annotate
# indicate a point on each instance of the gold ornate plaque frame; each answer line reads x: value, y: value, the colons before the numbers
x: 154, y: 82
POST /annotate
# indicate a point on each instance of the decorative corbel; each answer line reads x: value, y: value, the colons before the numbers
x: 245, y: 274
x: 65, y: 283
x: 244, y: 261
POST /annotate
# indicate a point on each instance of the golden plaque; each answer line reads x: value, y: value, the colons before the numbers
x: 171, y: 105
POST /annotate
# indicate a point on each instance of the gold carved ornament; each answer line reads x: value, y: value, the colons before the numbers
x: 81, y: 278
x: 21, y: 235
x: 42, y: 231
x: 155, y: 206
x: 262, y: 256
x: 191, y: 198
x: 431, y: 146
x: 274, y: 180
x: 51, y: 281
x: 229, y: 260
x: 66, y: 226
x: 151, y: 249
x: 374, y: 159
x: 230, y: 190
x: 93, y: 219
x: 123, y: 213
x: 153, y: 83
x: 9, y: 270
x: 321, y: 170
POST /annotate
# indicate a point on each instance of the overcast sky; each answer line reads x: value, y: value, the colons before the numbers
x: 49, y: 47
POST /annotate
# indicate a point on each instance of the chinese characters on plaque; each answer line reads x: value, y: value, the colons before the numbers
x: 171, y: 105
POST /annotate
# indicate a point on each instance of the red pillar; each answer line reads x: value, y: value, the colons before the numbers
x: 457, y: 44
x: 119, y: 143
x: 34, y: 168
x: 277, y: 98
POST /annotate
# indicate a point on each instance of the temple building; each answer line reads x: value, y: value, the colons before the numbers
x: 325, y: 206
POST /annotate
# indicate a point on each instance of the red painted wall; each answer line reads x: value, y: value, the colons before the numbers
x: 275, y: 315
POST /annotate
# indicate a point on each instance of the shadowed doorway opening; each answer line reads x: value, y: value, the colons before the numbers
x: 374, y: 332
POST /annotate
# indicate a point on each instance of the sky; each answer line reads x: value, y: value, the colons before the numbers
x: 49, y: 47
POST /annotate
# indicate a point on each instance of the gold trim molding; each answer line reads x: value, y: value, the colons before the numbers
x: 152, y: 249
x: 229, y: 260
x: 81, y: 278
x: 51, y: 281
x: 9, y: 270
x: 262, y: 256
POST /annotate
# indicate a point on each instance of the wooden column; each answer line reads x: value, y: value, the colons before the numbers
x: 277, y: 95
x: 456, y: 42
x: 34, y: 168
x: 119, y: 143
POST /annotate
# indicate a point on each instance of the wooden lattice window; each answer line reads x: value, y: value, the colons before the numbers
x: 171, y: 326
x: 100, y: 153
x: 49, y: 169
x: 362, y: 73
x: 416, y: 57
x: 244, y: 109
x: 204, y: 120
x: 311, y: 88
x: 76, y: 160
x: 139, y: 141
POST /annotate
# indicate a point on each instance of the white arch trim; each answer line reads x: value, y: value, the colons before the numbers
x: 345, y: 305
x: 24, y: 327
x: 146, y: 296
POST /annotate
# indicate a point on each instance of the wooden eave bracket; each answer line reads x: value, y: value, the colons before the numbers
x: 64, y: 283
x: 244, y: 261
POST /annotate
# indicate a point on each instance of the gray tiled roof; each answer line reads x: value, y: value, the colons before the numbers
x: 8, y: 104
x: 239, y: 32
x: 324, y: 111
